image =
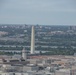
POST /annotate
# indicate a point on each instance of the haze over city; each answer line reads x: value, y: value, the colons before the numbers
x: 44, y: 12
x: 37, y: 37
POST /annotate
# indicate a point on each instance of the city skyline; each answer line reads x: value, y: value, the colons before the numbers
x: 50, y: 12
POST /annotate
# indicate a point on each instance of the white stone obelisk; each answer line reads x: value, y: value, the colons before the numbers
x: 32, y: 40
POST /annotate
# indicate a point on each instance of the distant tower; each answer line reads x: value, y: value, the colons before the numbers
x: 24, y: 56
x: 32, y: 40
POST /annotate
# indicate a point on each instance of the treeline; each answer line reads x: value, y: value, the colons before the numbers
x: 50, y: 51
x: 60, y: 52
x: 9, y: 53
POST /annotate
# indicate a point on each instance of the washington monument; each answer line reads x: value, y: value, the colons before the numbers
x: 32, y: 40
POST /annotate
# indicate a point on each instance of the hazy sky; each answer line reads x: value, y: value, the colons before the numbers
x: 48, y: 12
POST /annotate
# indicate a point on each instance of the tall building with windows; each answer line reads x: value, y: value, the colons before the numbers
x: 24, y: 56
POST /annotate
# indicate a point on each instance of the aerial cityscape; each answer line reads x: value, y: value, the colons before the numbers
x: 37, y: 50
x: 37, y: 37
